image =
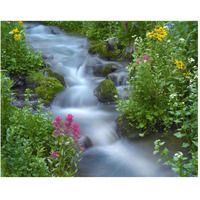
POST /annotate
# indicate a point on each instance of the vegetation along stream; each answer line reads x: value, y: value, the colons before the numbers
x: 107, y: 152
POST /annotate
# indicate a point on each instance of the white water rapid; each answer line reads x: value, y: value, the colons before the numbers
x: 109, y: 155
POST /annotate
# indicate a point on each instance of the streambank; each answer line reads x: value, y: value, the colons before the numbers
x: 107, y: 155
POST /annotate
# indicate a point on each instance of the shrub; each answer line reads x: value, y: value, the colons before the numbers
x: 27, y: 141
x: 16, y: 56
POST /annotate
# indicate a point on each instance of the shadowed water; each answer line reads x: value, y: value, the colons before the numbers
x: 109, y: 156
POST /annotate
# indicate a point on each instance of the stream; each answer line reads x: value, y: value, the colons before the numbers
x: 108, y: 155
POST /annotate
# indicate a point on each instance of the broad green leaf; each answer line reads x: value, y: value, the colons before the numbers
x: 160, y: 159
x: 185, y: 145
x: 179, y: 135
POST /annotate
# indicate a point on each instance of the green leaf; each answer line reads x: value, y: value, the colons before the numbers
x: 155, y: 152
x: 179, y: 135
x: 167, y: 162
x: 185, y: 145
x: 195, y: 143
x: 165, y: 151
x: 158, y: 160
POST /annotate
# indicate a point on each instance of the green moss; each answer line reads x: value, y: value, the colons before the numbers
x: 107, y: 70
x: 102, y: 49
x: 49, y: 71
x: 106, y: 91
x: 48, y: 87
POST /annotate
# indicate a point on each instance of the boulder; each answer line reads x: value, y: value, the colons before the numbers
x: 119, y: 77
x: 128, y: 51
x: 112, y: 43
x: 106, y: 91
x: 85, y: 142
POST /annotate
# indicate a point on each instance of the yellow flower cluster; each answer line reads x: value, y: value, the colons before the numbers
x: 180, y: 65
x: 17, y: 36
x: 187, y: 73
x: 159, y: 33
x: 21, y: 23
x: 15, y: 30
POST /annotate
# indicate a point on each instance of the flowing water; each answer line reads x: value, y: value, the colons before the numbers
x: 109, y: 155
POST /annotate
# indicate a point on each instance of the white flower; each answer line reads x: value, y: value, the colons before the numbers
x: 190, y: 60
x: 134, y: 36
x: 195, y: 76
x: 195, y: 67
x: 168, y: 41
x: 166, y: 27
x: 183, y: 103
x: 190, y: 86
x: 178, y: 154
x: 172, y: 95
x: 181, y: 39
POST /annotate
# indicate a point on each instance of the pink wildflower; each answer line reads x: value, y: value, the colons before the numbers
x: 57, y: 126
x: 146, y: 57
x: 54, y: 154
x: 138, y: 61
x: 76, y: 132
x: 67, y: 124
x: 83, y: 149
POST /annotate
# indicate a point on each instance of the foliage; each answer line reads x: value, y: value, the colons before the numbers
x: 106, y: 91
x: 26, y: 140
x: 66, y: 151
x: 68, y: 26
x: 16, y: 56
x: 163, y: 85
x: 47, y: 86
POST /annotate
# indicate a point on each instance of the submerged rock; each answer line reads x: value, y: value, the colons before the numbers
x: 106, y: 91
x: 119, y: 78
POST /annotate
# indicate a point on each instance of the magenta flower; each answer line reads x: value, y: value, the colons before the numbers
x: 54, y: 154
x: 67, y: 124
x: 57, y: 126
x: 83, y: 149
x: 146, y: 57
x: 76, y: 132
x: 138, y: 61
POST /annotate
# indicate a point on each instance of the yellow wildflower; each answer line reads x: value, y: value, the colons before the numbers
x: 17, y: 36
x: 158, y: 33
x: 180, y: 65
x: 151, y: 34
x: 21, y: 23
x: 187, y: 73
x: 157, y: 29
x: 15, y: 30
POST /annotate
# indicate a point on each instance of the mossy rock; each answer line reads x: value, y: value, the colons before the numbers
x: 106, y: 91
x: 102, y: 49
x: 107, y: 69
x: 51, y: 73
x: 60, y: 78
x: 125, y: 128
x: 48, y: 88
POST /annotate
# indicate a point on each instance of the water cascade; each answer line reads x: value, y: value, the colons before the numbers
x: 109, y: 155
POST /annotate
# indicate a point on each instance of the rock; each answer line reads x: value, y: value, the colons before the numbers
x: 96, y: 67
x: 107, y: 49
x: 18, y: 82
x: 119, y: 78
x: 85, y: 142
x: 48, y: 88
x: 124, y: 129
x: 51, y: 73
x: 106, y: 91
x: 112, y: 43
x: 128, y: 51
